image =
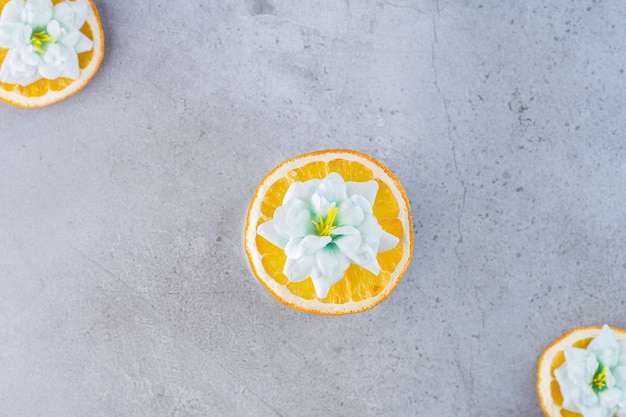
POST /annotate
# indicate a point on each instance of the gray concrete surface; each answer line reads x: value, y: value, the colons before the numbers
x: 124, y: 288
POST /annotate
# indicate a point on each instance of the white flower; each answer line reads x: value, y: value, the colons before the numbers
x: 593, y: 380
x: 324, y: 226
x: 43, y: 40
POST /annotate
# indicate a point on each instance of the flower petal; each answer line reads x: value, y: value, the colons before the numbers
x: 332, y: 188
x: 367, y: 189
x: 72, y: 15
x: 11, y: 34
x: 64, y: 14
x: 328, y: 263
x: 589, y: 397
x: 365, y: 257
x: 314, y: 243
x: 348, y: 240
x: 12, y: 11
x: 299, y: 269
x: 331, y: 265
x: 322, y: 286
x: 321, y: 205
x: 622, y: 352
x: 5, y: 70
x: 345, y: 230
x: 371, y: 265
x: 387, y: 242
x: 349, y: 214
x: 604, y: 347
x: 595, y: 411
x: 571, y: 394
x: 37, y: 13
x: 371, y: 231
x: 26, y: 36
x: 49, y: 70
x: 362, y: 202
x: 293, y: 249
x: 301, y: 191
x: 294, y: 219
x: 610, y: 379
x: 56, y: 62
x: 620, y: 378
x: 579, y: 362
x: 269, y: 232
x: 25, y: 57
x: 54, y: 29
x: 70, y: 63
x: 17, y: 67
x: 83, y: 44
x: 308, y: 245
x: 70, y: 38
x: 80, y: 13
x: 619, y: 373
x: 609, y: 398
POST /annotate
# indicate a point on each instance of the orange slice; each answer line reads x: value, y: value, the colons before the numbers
x: 359, y: 289
x: 553, y: 357
x: 44, y: 92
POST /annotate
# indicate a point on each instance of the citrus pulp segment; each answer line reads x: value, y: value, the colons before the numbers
x: 359, y: 289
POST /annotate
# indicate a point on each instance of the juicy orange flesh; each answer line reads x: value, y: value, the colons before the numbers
x: 559, y: 359
x: 41, y: 87
x: 358, y: 284
x: 567, y: 413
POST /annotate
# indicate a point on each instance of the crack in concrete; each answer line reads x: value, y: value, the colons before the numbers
x: 403, y: 6
x: 451, y: 142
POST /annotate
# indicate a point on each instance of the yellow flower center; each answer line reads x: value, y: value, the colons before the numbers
x: 325, y: 226
x: 39, y: 39
x: 599, y: 379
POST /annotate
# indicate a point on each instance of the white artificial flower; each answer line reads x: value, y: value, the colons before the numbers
x: 593, y: 380
x: 325, y: 225
x: 43, y: 40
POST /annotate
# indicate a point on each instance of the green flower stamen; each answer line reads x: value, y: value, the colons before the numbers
x: 39, y: 39
x: 324, y: 227
x: 598, y: 383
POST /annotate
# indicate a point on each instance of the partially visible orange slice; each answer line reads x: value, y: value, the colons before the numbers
x: 359, y: 289
x: 553, y: 357
x: 44, y: 92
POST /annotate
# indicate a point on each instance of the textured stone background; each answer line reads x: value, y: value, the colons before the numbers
x: 124, y: 288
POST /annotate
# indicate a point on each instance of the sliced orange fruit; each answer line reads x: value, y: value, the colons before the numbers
x: 359, y: 289
x: 44, y: 91
x: 550, y: 397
